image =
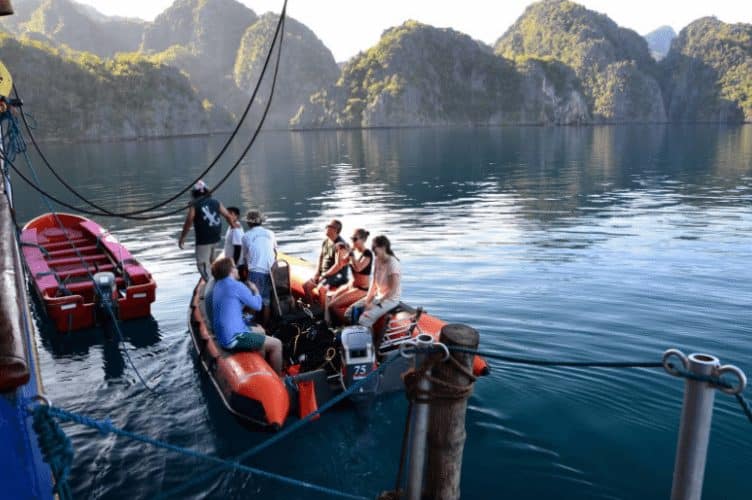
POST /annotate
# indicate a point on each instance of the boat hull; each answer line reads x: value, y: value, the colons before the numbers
x: 63, y: 251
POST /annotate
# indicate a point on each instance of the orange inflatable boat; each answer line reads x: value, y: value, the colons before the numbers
x: 320, y: 362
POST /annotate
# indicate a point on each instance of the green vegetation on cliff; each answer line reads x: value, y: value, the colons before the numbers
x: 80, y: 96
x: 306, y: 66
x: 616, y: 70
x: 420, y: 75
x: 68, y: 23
x: 708, y: 72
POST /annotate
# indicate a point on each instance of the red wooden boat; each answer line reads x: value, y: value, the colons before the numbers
x: 63, y: 252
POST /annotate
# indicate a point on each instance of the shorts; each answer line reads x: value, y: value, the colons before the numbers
x: 263, y: 282
x: 204, y: 260
x: 336, y: 280
x: 247, y: 341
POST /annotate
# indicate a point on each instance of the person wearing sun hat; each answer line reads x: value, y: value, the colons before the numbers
x: 203, y: 215
x: 259, y: 251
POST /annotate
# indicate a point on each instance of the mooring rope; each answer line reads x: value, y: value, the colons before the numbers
x: 284, y: 432
x: 135, y: 214
x: 15, y: 138
x: 60, y: 449
x: 745, y: 405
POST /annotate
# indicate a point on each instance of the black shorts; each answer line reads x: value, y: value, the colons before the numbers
x: 336, y: 280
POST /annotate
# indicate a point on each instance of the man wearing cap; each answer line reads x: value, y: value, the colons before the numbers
x: 258, y: 254
x: 329, y: 271
x: 204, y: 214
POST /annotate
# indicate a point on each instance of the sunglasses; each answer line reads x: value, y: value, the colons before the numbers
x: 354, y: 238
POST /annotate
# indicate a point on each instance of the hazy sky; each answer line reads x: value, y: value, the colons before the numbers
x: 349, y: 26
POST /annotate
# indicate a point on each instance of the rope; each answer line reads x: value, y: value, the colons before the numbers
x: 75, y: 249
x: 106, y: 427
x: 545, y: 362
x: 715, y: 381
x: 284, y: 433
x: 56, y: 448
x: 746, y: 407
x: 133, y: 215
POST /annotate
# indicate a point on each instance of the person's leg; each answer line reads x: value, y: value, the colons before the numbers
x: 262, y: 281
x: 273, y: 353
x: 309, y: 287
x: 349, y: 310
x: 203, y: 260
x: 373, y: 313
x: 342, y: 300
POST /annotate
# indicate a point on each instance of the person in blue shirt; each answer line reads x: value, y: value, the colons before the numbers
x: 226, y: 302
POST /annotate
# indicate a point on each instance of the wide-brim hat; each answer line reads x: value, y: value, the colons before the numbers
x: 255, y: 217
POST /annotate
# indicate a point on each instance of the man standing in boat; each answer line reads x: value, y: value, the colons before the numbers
x: 259, y: 251
x: 204, y: 214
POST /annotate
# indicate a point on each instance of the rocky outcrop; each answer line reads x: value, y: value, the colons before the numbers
x: 418, y: 75
x: 79, y: 96
x: 306, y: 66
x: 707, y: 74
x: 616, y: 72
x: 67, y: 23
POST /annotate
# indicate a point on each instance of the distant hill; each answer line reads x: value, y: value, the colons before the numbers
x: 418, y: 75
x: 67, y: 23
x: 80, y: 96
x: 659, y: 41
x: 559, y: 63
x: 615, y: 69
x: 306, y: 66
x: 708, y: 73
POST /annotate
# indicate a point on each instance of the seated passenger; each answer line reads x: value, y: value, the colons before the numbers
x: 227, y: 299
x: 385, y: 290
x: 360, y: 259
x: 330, y: 271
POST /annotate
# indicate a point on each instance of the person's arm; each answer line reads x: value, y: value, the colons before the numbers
x: 361, y: 263
x: 236, y: 251
x: 187, y: 226
x: 371, y: 288
x: 227, y: 216
x: 249, y: 299
x: 342, y: 261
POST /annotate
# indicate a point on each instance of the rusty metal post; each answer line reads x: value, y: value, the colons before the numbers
x: 6, y: 9
x: 446, y: 433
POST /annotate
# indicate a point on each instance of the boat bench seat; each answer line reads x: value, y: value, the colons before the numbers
x: 36, y: 262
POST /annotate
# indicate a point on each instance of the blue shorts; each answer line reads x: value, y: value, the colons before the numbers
x: 264, y: 284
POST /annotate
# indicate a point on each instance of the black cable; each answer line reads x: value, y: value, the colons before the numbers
x: 278, y: 35
x: 182, y: 208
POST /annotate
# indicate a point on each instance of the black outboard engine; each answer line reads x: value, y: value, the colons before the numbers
x: 358, y: 360
x: 104, y: 289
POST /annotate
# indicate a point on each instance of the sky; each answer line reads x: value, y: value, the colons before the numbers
x: 349, y: 26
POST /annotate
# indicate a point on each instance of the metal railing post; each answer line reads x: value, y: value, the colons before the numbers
x: 419, y: 424
x: 697, y: 413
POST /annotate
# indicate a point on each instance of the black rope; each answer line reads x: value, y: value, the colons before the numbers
x: 546, y: 362
x: 134, y: 215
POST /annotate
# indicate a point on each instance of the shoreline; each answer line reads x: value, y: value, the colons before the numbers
x: 59, y: 140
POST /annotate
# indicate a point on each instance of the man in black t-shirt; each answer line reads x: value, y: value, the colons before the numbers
x: 204, y: 214
x: 328, y: 271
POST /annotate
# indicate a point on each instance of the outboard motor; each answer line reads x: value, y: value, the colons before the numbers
x: 358, y: 359
x: 104, y: 289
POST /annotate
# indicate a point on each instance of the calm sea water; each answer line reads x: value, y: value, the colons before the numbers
x: 610, y: 243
